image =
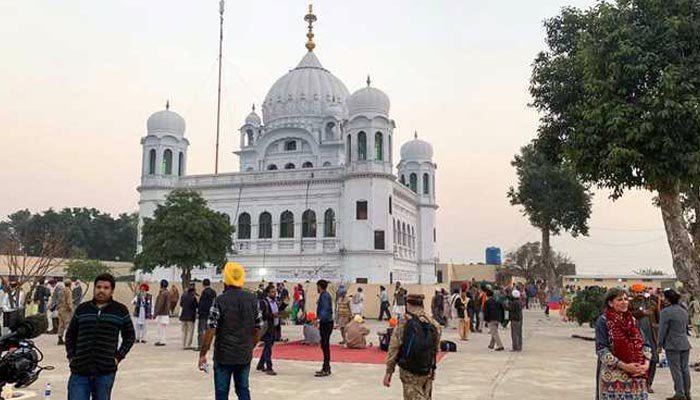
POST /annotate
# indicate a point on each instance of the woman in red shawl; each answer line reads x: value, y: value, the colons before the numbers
x: 623, y: 353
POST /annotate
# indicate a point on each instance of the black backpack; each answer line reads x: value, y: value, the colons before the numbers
x: 418, y: 351
x: 448, y: 346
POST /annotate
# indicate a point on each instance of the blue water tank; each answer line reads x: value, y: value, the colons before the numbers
x: 493, y: 256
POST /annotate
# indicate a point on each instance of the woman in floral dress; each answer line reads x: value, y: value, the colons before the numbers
x: 623, y: 353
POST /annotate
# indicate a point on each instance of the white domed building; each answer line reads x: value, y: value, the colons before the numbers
x: 317, y: 195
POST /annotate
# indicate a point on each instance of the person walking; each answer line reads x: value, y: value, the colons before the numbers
x: 235, y: 320
x: 413, y: 347
x: 437, y: 308
x: 143, y: 306
x: 344, y: 315
x: 515, y: 315
x: 399, y: 301
x: 206, y: 299
x: 64, y: 308
x: 493, y: 316
x: 92, y: 342
x: 673, y: 337
x: 384, y: 304
x: 162, y: 311
x: 77, y: 293
x: 461, y: 305
x: 623, y: 357
x: 271, y: 320
x: 188, y: 314
x: 694, y: 312
x: 56, y: 288
x: 41, y: 296
x: 173, y: 298
x: 357, y: 305
x: 324, y: 311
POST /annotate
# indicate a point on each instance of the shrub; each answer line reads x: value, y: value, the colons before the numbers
x: 586, y: 306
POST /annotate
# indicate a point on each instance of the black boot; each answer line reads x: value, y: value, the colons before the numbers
x: 54, y: 321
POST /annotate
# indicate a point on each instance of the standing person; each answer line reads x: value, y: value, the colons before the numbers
x: 143, y: 306
x: 384, y: 304
x: 53, y: 304
x: 77, y: 293
x: 324, y: 311
x: 413, y: 347
x: 453, y: 310
x: 642, y: 308
x: 271, y: 320
x: 493, y: 316
x: 673, y: 337
x: 357, y: 304
x: 92, y: 342
x: 65, y: 310
x: 188, y: 314
x: 461, y: 304
x: 173, y: 298
x: 515, y: 315
x: 344, y: 315
x: 399, y: 301
x: 447, y: 307
x: 41, y: 296
x: 622, y: 354
x: 235, y: 320
x: 694, y: 312
x: 205, y: 302
x: 162, y: 311
x: 437, y: 307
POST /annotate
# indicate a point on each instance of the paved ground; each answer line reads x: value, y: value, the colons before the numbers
x: 552, y: 366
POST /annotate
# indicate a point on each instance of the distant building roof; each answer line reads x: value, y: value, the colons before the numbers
x: 622, y: 276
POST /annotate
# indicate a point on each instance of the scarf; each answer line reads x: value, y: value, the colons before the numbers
x: 625, y: 337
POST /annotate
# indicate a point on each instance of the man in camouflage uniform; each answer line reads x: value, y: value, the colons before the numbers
x: 415, y: 387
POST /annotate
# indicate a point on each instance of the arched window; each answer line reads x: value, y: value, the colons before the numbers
x: 287, y: 225
x: 308, y: 224
x: 349, y: 150
x: 290, y: 145
x: 404, y: 234
x: 289, y: 166
x: 329, y: 223
x: 327, y: 164
x: 168, y: 162
x: 403, y: 180
x: 414, y: 182
x: 271, y: 167
x: 244, y: 226
x: 265, y: 226
x: 152, y: 162
x: 379, y: 146
x: 426, y: 184
x: 250, y: 136
x: 307, y: 164
x: 361, y: 146
x: 330, y: 127
x: 181, y: 164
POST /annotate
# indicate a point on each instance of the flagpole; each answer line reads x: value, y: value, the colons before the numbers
x: 218, y: 100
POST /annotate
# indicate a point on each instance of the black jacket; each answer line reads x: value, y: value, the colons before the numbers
x: 206, y: 299
x: 493, y: 311
x: 93, y: 335
x: 189, y: 304
x: 515, y: 310
x: 236, y: 318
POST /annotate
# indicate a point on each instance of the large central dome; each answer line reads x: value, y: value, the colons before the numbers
x: 308, y: 90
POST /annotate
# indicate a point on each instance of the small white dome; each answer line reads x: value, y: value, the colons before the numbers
x: 368, y: 100
x: 417, y: 150
x: 166, y: 121
x: 253, y: 119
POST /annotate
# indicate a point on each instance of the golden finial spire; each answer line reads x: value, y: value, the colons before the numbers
x: 310, y: 18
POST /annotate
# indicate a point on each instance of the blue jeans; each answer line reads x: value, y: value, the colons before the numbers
x: 266, y: 356
x: 86, y: 387
x: 222, y: 380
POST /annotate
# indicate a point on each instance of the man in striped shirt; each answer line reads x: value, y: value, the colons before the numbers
x: 92, y: 343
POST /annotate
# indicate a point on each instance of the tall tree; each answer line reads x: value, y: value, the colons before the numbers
x: 619, y: 93
x: 552, y: 198
x: 184, y: 233
x: 526, y: 261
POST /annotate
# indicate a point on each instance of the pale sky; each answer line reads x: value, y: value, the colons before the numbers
x: 80, y: 77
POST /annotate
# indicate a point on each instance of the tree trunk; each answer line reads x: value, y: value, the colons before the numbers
x: 683, y: 251
x: 186, y: 277
x: 547, y: 263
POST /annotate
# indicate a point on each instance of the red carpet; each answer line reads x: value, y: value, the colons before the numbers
x: 295, y: 351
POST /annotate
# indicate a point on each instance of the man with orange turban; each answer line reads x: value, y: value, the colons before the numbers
x: 236, y: 321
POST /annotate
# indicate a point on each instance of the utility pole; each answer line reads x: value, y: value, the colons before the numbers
x: 218, y: 100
